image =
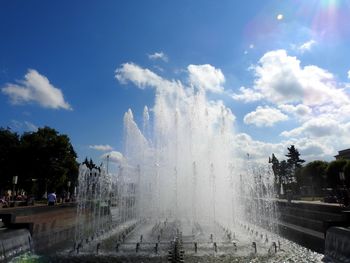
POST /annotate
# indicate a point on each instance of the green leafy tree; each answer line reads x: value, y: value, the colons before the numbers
x: 314, y: 175
x: 294, y: 163
x: 49, y: 158
x: 333, y: 172
x: 346, y: 170
x: 275, y: 167
x: 90, y: 164
x: 9, y: 157
x: 284, y: 172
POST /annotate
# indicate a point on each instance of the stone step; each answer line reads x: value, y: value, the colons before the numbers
x: 309, y: 238
x: 314, y: 215
x: 312, y: 224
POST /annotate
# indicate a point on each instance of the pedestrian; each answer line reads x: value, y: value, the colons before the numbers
x: 51, y: 198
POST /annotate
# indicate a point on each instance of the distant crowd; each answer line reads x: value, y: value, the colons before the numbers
x: 9, y: 200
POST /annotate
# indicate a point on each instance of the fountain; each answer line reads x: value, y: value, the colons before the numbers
x: 188, y: 154
x: 180, y: 182
x: 93, y: 202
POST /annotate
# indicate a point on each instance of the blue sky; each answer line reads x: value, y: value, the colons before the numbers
x: 281, y: 66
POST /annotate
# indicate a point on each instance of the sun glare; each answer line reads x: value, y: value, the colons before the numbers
x: 328, y: 18
x: 329, y: 3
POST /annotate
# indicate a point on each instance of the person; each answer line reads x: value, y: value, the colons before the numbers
x: 3, y: 202
x: 51, y: 198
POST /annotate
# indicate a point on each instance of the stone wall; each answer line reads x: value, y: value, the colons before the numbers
x: 306, y: 223
x: 50, y: 226
x: 338, y: 244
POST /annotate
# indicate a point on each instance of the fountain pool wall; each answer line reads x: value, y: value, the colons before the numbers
x: 14, y: 242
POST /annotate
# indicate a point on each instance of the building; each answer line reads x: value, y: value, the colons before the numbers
x: 343, y: 154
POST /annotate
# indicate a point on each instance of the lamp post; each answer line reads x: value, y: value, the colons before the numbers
x: 342, y: 179
x: 34, y: 187
x: 14, y: 182
x: 68, y: 186
x: 107, y: 162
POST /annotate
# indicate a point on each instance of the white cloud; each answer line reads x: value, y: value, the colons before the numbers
x: 299, y: 110
x: 307, y: 46
x: 316, y: 149
x: 264, y: 116
x: 206, y: 77
x: 114, y: 156
x: 139, y: 76
x: 36, y: 88
x: 23, y: 126
x: 257, y: 150
x: 349, y: 74
x: 158, y: 68
x: 316, y: 127
x: 280, y: 79
x: 247, y: 95
x: 143, y: 77
x: 103, y: 148
x: 158, y: 55
x: 30, y: 126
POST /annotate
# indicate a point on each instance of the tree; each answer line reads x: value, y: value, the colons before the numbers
x: 275, y: 167
x: 49, y: 158
x: 333, y: 172
x: 346, y: 170
x: 294, y: 162
x: 314, y: 175
x: 90, y: 164
x: 284, y: 172
x: 9, y: 158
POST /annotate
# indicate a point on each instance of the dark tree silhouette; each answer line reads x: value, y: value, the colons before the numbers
x: 313, y: 175
x: 90, y: 164
x: 9, y: 157
x: 284, y: 172
x: 294, y: 163
x: 346, y: 169
x: 48, y: 158
x: 333, y: 172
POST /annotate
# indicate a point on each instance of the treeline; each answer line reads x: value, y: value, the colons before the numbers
x: 43, y: 160
x: 314, y: 177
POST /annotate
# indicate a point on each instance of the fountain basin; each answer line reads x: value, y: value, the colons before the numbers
x: 337, y: 246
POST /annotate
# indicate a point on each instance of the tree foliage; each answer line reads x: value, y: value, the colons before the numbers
x: 275, y: 167
x: 346, y: 169
x: 9, y: 156
x: 44, y: 157
x: 314, y: 175
x: 287, y: 171
x: 284, y: 171
x: 90, y: 164
x: 294, y: 162
x: 333, y: 172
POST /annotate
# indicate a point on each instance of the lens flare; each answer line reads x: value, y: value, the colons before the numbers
x: 328, y: 18
x: 329, y: 3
